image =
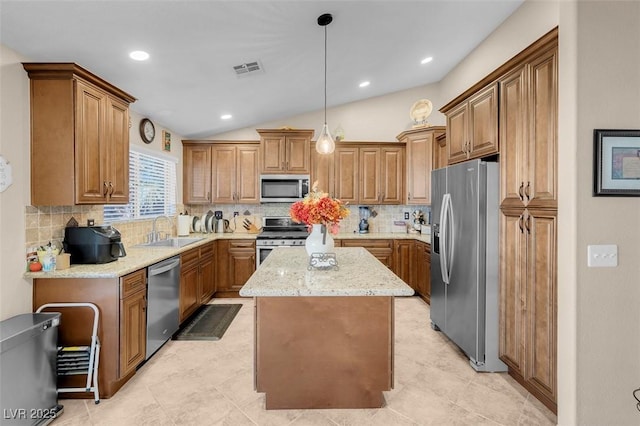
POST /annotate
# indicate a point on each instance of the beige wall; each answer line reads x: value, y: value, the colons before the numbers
x: 608, y: 299
x: 15, y: 292
x: 378, y: 119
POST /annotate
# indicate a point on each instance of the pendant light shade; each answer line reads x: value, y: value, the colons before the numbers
x: 325, y: 143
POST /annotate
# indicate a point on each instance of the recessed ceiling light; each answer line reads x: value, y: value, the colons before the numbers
x: 139, y: 55
x: 226, y: 116
x: 426, y: 60
x: 365, y: 83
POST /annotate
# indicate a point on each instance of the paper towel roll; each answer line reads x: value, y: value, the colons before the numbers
x: 184, y: 224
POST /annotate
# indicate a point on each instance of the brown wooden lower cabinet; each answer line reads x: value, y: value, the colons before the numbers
x: 422, y: 270
x: 382, y: 249
x: 528, y: 299
x: 122, y: 327
x: 235, y: 263
x: 197, y: 279
x: 403, y: 260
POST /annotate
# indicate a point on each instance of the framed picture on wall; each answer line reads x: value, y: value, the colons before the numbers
x: 166, y: 140
x: 616, y: 163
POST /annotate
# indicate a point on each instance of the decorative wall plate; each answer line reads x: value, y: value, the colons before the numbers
x: 419, y: 112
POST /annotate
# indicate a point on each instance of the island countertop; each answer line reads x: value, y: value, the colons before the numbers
x: 284, y: 273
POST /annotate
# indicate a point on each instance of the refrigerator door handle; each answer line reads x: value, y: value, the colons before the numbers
x: 444, y: 237
x: 451, y: 248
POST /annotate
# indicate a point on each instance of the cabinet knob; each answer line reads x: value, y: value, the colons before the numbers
x: 520, y: 224
x: 105, y: 188
x: 527, y: 224
x: 111, y: 188
x: 526, y: 191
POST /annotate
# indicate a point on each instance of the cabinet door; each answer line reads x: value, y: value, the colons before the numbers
x: 513, y: 294
x: 403, y: 260
x: 133, y: 332
x: 541, y: 307
x: 297, y: 155
x: 457, y: 136
x: 189, y: 277
x: 541, y: 186
x: 247, y: 186
x: 207, y: 283
x: 90, y: 147
x: 322, y: 171
x: 223, y: 184
x: 273, y: 154
x: 369, y: 172
x: 196, y: 174
x: 483, y: 123
x: 513, y: 138
x: 392, y: 175
x: 242, y: 262
x: 440, y: 151
x: 118, y: 150
x: 347, y: 175
x: 419, y: 164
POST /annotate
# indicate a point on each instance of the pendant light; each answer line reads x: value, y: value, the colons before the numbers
x: 325, y: 143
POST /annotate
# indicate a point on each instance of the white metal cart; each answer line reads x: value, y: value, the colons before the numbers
x: 76, y: 360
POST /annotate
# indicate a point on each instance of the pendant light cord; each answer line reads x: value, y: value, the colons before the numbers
x: 325, y: 74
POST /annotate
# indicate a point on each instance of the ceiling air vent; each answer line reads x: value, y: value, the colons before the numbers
x: 247, y: 68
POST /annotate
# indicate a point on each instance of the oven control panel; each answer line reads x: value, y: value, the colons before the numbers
x: 283, y: 242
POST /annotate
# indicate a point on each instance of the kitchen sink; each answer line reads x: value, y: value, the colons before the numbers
x: 173, y: 242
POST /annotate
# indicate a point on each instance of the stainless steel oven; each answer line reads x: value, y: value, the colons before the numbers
x: 278, y: 232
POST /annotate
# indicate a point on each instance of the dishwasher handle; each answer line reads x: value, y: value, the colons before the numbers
x: 162, y: 268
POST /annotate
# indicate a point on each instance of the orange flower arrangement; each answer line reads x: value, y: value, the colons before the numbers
x: 317, y: 208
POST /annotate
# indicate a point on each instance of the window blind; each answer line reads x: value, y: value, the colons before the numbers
x: 152, y: 189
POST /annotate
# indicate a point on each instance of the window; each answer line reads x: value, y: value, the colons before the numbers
x: 152, y: 188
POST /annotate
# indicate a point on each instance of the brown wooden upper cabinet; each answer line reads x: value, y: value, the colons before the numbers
x: 220, y: 172
x: 79, y: 137
x: 423, y: 155
x: 472, y: 125
x: 528, y: 131
x: 285, y: 151
x: 362, y: 172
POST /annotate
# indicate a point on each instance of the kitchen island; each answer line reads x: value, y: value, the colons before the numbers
x: 324, y: 338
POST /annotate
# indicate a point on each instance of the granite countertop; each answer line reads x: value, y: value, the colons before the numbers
x: 284, y: 273
x: 141, y: 257
x: 137, y: 257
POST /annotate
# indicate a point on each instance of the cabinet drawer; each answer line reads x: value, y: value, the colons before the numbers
x: 242, y: 244
x: 207, y: 250
x: 189, y: 257
x: 368, y: 244
x: 132, y: 283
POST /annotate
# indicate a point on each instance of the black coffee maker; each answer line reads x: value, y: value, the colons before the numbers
x: 93, y: 244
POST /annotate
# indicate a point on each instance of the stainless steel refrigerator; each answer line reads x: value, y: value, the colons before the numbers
x: 464, y: 259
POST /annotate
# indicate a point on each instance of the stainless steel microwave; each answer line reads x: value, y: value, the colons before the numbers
x: 283, y: 188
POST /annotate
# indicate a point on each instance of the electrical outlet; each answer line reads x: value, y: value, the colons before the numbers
x: 90, y: 222
x: 236, y: 214
x: 406, y: 215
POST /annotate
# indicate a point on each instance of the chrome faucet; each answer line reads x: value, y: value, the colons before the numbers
x: 154, y: 235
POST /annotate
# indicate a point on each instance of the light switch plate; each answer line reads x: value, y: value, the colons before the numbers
x: 605, y: 255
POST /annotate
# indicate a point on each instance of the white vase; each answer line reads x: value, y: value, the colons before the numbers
x: 314, y: 242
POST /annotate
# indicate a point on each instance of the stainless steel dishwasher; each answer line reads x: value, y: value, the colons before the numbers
x: 163, y: 300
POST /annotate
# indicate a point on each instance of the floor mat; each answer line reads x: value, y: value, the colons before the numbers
x: 210, y: 323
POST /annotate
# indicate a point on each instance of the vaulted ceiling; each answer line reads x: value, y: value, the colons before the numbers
x: 189, y: 80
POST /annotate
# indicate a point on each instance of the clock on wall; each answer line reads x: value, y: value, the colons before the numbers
x: 147, y: 130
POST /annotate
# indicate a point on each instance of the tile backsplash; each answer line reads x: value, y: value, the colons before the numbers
x: 47, y: 223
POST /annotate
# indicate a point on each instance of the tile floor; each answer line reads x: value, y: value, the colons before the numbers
x: 211, y: 383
